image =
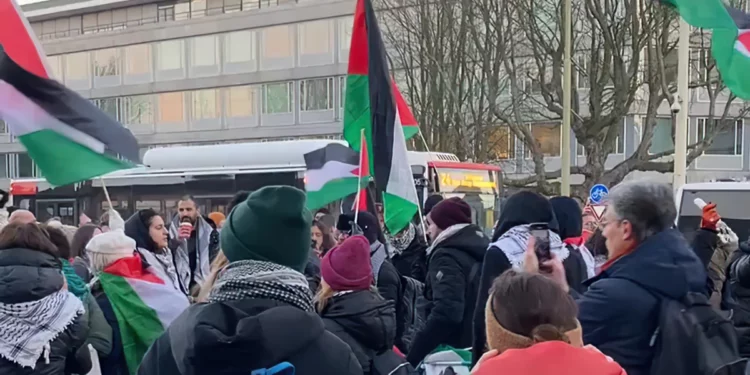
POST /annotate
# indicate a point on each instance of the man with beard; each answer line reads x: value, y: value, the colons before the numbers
x: 194, y: 243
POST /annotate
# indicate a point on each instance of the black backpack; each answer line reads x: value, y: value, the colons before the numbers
x: 694, y: 339
x: 390, y: 363
x: 411, y: 309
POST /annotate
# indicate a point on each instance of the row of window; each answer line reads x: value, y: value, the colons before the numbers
x: 317, y: 100
x: 133, y: 16
x: 728, y: 140
x: 208, y: 55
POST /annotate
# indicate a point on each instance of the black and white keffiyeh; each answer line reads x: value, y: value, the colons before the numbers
x: 399, y: 242
x: 513, y: 243
x: 26, y: 329
x: 262, y: 280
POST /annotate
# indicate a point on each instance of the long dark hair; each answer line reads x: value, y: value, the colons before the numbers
x: 81, y: 238
x: 328, y: 242
x: 60, y: 240
x: 533, y: 306
x: 27, y: 236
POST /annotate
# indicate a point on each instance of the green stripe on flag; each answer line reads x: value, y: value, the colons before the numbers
x: 139, y: 324
x: 334, y: 190
x: 707, y: 14
x: 397, y: 211
x: 410, y: 131
x: 63, y: 161
x: 357, y: 113
x: 733, y: 65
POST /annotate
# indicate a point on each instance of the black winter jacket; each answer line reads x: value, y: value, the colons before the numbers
x: 364, y: 321
x: 736, y: 295
x: 114, y: 363
x: 29, y: 275
x: 450, y: 292
x: 238, y: 337
x: 412, y: 262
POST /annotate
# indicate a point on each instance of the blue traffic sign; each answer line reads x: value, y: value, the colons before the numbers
x: 598, y: 193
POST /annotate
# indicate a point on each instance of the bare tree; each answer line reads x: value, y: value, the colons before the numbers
x: 480, y: 74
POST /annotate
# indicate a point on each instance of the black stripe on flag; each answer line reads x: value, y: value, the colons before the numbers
x: 333, y: 152
x: 70, y: 108
x: 382, y: 105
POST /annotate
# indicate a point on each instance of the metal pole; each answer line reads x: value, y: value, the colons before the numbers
x: 565, y: 149
x: 681, y: 126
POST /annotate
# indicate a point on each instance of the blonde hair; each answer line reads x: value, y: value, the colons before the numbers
x: 217, y: 265
x: 325, y: 293
x: 100, y: 261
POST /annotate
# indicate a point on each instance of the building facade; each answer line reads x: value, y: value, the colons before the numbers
x: 197, y: 72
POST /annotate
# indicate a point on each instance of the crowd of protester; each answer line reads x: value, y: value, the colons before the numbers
x: 268, y: 283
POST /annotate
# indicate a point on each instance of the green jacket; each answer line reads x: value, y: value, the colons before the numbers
x: 100, y: 332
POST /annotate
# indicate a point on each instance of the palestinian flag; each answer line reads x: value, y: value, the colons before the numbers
x: 411, y: 128
x: 68, y: 137
x: 370, y: 104
x: 333, y: 172
x: 143, y: 304
x: 730, y: 40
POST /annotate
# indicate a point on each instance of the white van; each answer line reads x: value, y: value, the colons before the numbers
x: 732, y: 201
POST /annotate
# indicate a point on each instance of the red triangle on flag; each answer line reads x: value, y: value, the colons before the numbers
x: 743, y: 42
x: 404, y: 112
x: 358, y: 54
x: 19, y: 41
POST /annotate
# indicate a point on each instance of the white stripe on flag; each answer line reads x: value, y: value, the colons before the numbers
x: 24, y: 116
x: 331, y: 170
x: 400, y: 180
x: 167, y: 302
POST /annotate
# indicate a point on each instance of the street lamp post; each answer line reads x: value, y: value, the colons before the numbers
x: 565, y: 149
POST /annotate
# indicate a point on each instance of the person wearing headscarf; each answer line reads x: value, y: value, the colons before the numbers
x: 259, y: 312
x: 581, y: 264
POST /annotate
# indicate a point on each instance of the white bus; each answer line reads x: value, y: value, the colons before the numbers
x: 732, y: 201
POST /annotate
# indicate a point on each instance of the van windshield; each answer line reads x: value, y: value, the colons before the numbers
x: 733, y: 206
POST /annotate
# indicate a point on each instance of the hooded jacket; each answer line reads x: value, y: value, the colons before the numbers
x: 619, y: 311
x: 736, y: 295
x: 240, y: 336
x: 550, y: 358
x: 364, y: 321
x: 570, y: 222
x: 520, y: 209
x: 450, y: 289
x: 28, y: 275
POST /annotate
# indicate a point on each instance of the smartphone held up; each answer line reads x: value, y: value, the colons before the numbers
x: 540, y: 231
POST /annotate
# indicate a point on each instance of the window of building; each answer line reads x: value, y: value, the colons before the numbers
x: 166, y: 13
x: 171, y: 107
x: 197, y: 8
x: 242, y: 101
x: 342, y: 90
x: 107, y: 62
x: 205, y: 104
x: 663, y: 140
x: 77, y: 70
x: 4, y: 167
x: 316, y: 94
x: 25, y: 165
x: 582, y: 72
x: 547, y: 137
x: 345, y: 37
x: 316, y: 39
x: 501, y: 142
x: 727, y: 136
x: 170, y: 55
x: 138, y: 110
x: 239, y: 52
x: 277, y: 98
x: 138, y: 59
x: 277, y: 42
x: 619, y: 142
x: 204, y: 55
x: 110, y: 106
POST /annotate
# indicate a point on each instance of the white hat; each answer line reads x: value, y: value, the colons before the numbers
x: 113, y: 242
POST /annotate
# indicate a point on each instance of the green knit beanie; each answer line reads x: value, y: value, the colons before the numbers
x: 272, y: 225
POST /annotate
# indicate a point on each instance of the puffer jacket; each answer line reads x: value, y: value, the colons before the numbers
x: 28, y: 275
x: 364, y: 321
x: 736, y: 295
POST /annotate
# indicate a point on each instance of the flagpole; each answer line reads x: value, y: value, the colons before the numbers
x: 681, y: 126
x: 359, y: 178
x: 565, y: 149
x: 106, y: 193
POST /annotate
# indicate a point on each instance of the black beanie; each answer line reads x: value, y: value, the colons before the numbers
x: 430, y: 203
x: 366, y: 221
x: 522, y: 208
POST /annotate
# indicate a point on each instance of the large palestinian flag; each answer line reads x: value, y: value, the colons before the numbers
x: 68, y: 137
x: 370, y: 104
x: 144, y: 306
x: 730, y: 40
x: 333, y: 172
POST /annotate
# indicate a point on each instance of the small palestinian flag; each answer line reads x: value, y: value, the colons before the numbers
x: 333, y: 172
x: 411, y: 128
x: 730, y: 39
x: 371, y: 105
x: 144, y: 305
x: 68, y: 137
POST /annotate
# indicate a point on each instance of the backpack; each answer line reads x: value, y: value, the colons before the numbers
x: 694, y: 339
x: 411, y: 309
x: 390, y: 363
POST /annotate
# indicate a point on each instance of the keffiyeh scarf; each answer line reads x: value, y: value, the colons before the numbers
x: 399, y: 242
x: 513, y: 243
x: 262, y: 280
x: 26, y: 329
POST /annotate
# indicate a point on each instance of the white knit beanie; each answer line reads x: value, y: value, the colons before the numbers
x: 108, y: 247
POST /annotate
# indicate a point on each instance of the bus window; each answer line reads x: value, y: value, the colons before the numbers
x: 733, y: 206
